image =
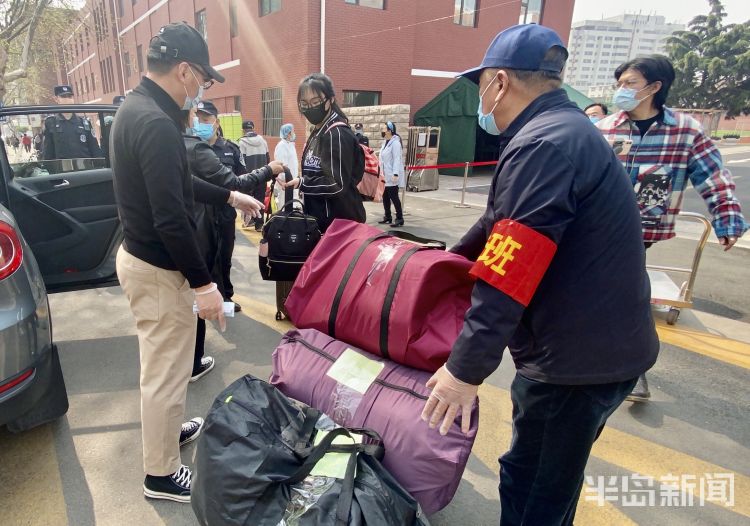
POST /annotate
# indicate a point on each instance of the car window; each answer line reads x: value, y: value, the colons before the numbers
x: 50, y: 144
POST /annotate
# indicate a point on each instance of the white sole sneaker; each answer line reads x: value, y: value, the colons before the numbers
x: 165, y: 496
x: 204, y: 372
x: 195, y: 435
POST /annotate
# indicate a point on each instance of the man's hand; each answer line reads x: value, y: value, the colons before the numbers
x: 246, y: 203
x: 210, y: 304
x: 727, y: 242
x: 449, y: 394
x: 276, y: 167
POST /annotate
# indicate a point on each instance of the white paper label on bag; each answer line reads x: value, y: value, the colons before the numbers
x: 334, y: 464
x: 355, y: 371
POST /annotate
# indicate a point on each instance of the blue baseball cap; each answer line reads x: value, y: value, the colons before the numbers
x: 520, y: 47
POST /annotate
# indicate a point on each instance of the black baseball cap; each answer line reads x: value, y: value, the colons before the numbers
x: 520, y: 47
x: 182, y: 42
x: 63, y: 91
x: 206, y: 106
x: 118, y: 99
x: 248, y: 125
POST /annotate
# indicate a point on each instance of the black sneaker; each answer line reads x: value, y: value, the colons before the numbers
x: 397, y: 223
x: 191, y: 430
x: 174, y: 487
x: 640, y: 392
x: 207, y: 363
x: 237, y: 307
x: 385, y: 221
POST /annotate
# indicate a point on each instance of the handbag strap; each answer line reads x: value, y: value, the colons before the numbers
x: 345, y: 281
x: 427, y: 243
x: 385, y: 313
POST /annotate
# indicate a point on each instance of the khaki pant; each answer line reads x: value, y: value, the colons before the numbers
x: 162, y: 304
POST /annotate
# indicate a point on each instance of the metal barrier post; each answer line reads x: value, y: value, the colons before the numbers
x: 403, y: 202
x: 463, y: 190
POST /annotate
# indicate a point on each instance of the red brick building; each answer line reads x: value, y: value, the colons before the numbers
x: 376, y: 51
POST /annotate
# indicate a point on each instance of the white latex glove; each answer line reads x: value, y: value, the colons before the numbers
x: 449, y: 394
x: 246, y: 203
x: 211, y: 304
x: 294, y: 183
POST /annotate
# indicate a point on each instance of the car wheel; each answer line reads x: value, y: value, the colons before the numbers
x: 52, y: 405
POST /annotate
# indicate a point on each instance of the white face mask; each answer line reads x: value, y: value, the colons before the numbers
x: 192, y: 102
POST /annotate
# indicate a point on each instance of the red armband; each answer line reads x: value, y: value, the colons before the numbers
x: 514, y: 260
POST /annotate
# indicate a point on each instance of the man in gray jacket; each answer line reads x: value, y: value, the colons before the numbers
x: 254, y: 149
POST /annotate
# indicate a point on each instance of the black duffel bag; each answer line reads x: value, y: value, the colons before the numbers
x: 289, y: 237
x: 257, y: 447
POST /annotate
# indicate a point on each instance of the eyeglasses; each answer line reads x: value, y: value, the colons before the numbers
x: 307, y: 104
x: 206, y: 83
x: 630, y: 84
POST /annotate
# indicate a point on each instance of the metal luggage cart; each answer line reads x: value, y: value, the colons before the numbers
x: 664, y: 291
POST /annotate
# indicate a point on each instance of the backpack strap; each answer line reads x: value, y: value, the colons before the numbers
x: 334, y: 125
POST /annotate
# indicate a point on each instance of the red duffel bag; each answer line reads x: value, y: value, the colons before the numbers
x: 389, y: 296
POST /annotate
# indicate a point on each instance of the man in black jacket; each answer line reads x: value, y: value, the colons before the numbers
x: 561, y: 281
x: 159, y: 264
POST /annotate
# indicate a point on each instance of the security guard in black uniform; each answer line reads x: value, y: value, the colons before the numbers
x: 66, y: 135
x: 230, y: 156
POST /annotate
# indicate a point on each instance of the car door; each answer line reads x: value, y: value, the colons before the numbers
x: 63, y: 202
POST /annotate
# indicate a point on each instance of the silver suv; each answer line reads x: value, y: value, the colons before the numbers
x: 59, y: 231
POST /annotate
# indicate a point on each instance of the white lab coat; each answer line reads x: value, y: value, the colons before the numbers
x: 287, y: 154
x: 392, y: 162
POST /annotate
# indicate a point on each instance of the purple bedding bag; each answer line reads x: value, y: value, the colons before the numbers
x: 357, y: 389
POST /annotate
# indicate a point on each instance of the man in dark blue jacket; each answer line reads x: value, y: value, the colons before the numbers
x: 561, y: 281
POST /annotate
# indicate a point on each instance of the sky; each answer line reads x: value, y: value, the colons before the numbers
x: 679, y: 11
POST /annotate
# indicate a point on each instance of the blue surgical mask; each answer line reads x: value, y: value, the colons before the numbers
x: 203, y: 130
x: 191, y: 102
x: 293, y: 137
x: 624, y: 98
x: 594, y: 119
x: 487, y: 120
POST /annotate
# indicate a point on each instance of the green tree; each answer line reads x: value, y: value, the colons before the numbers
x: 712, y: 63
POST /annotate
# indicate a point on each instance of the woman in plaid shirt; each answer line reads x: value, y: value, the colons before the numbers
x: 662, y: 150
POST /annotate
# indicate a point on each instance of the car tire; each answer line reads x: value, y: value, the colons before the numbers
x: 52, y: 405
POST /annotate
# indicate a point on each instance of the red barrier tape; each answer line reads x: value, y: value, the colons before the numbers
x: 455, y: 165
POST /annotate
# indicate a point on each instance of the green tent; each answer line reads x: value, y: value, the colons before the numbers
x: 455, y: 111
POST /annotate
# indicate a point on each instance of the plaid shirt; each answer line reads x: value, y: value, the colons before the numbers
x: 673, y: 151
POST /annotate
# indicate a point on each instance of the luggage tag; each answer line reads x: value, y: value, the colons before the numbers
x: 334, y: 464
x: 355, y: 371
x: 228, y: 309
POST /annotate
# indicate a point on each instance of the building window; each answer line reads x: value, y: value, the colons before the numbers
x: 465, y: 13
x: 128, y: 65
x: 139, y: 57
x: 531, y: 12
x: 270, y: 99
x: 361, y: 98
x: 200, y: 24
x: 120, y: 9
x: 238, y: 104
x: 93, y: 82
x: 269, y: 6
x: 377, y: 4
x: 233, y: 30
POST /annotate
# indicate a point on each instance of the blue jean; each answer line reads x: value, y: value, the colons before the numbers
x: 554, y: 428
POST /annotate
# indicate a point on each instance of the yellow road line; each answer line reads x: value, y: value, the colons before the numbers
x: 32, y: 490
x: 263, y: 313
x: 626, y: 451
x: 718, y: 347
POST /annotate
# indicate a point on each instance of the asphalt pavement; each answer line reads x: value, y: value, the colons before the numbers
x: 694, y: 434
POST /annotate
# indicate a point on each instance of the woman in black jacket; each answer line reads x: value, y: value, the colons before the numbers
x: 332, y: 161
x: 204, y: 164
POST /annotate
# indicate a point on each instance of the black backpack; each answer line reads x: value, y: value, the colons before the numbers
x: 289, y: 237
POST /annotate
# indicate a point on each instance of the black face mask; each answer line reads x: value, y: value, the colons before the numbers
x: 382, y: 134
x: 316, y: 114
